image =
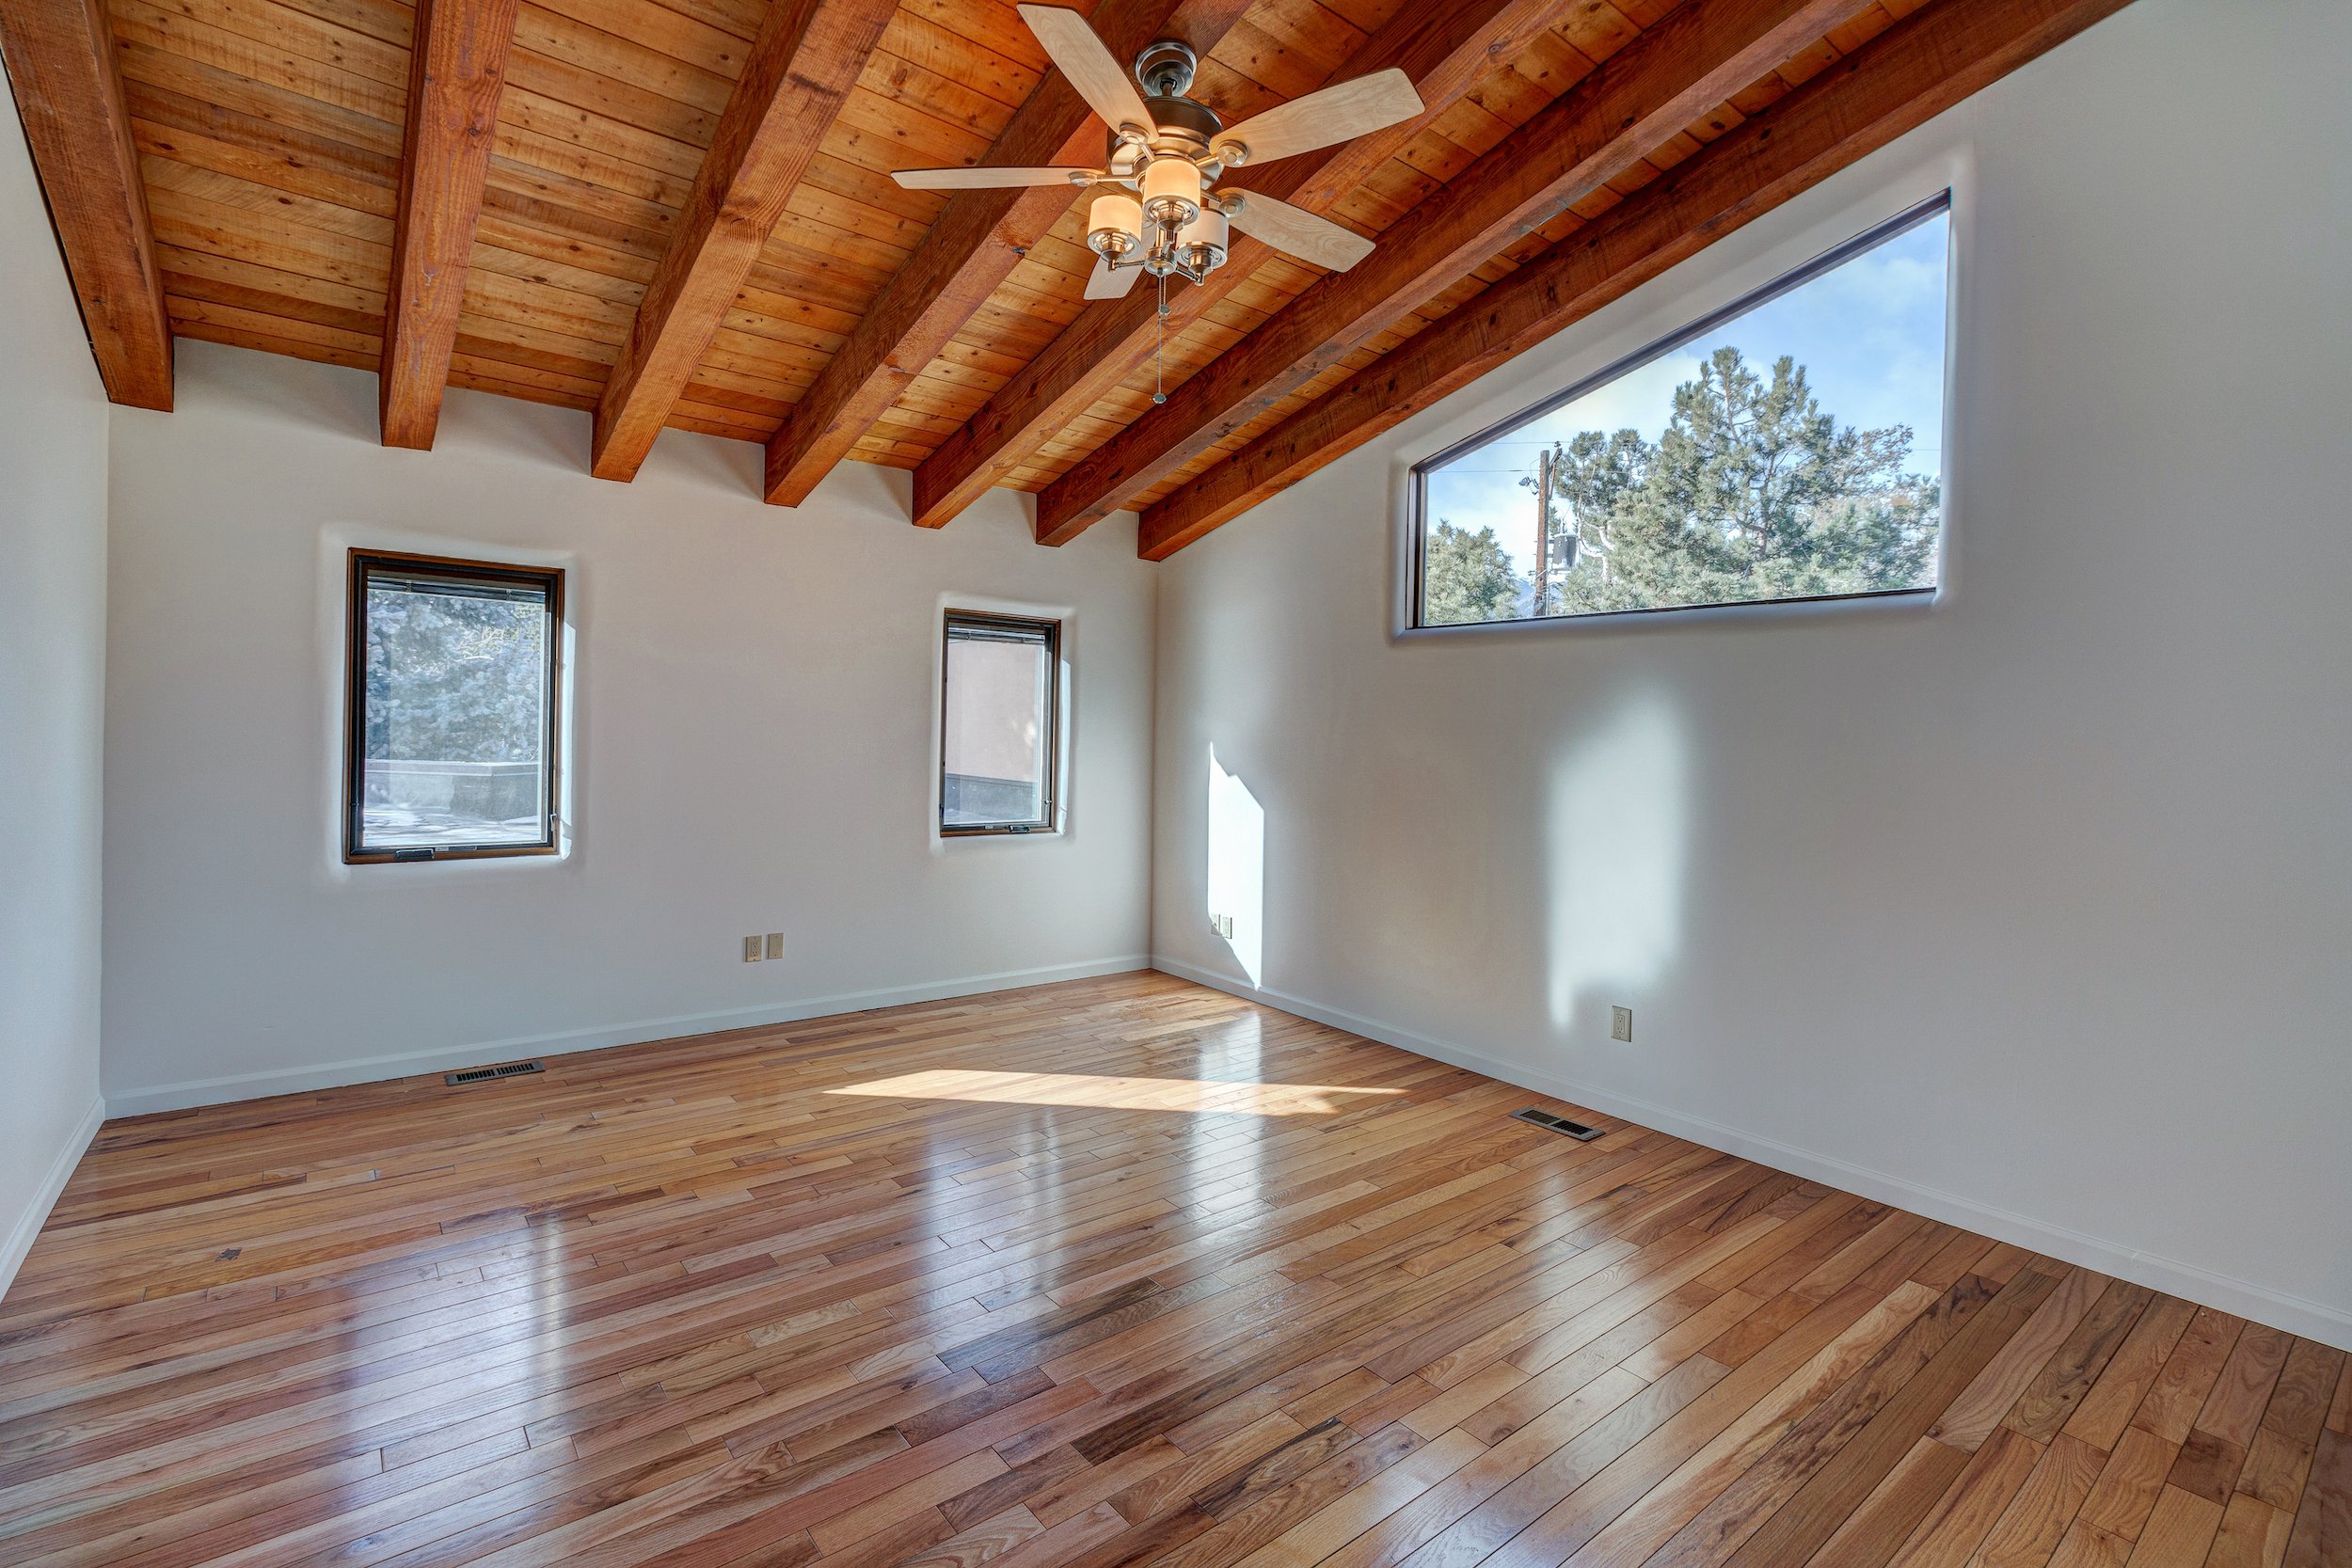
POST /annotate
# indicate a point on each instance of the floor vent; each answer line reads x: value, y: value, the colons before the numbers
x: 1576, y: 1130
x: 482, y: 1074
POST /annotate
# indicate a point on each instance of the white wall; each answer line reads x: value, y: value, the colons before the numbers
x: 2029, y: 910
x: 53, y: 651
x: 753, y: 698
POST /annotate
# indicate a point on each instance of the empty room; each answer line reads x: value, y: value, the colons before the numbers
x: 1175, y: 784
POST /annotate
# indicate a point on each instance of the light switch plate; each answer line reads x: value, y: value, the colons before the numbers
x: 750, y: 950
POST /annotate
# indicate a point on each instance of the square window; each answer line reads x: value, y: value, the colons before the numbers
x: 450, y: 719
x: 1000, y: 700
x: 1786, y: 448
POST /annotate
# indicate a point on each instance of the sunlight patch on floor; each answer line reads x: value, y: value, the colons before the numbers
x: 1122, y: 1094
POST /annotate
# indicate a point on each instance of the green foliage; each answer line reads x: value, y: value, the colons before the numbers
x: 1750, y: 492
x: 1467, y: 578
x: 454, y: 680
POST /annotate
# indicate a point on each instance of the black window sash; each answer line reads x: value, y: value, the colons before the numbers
x: 974, y: 626
x: 456, y: 579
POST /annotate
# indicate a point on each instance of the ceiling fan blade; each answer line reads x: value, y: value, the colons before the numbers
x: 1102, y: 283
x: 1298, y: 231
x: 1336, y: 114
x: 1100, y: 79
x: 982, y: 178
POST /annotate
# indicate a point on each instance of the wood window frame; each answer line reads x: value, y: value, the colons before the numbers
x: 1049, y: 819
x: 360, y: 565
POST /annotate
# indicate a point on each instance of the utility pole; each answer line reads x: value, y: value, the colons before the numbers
x: 1543, y: 533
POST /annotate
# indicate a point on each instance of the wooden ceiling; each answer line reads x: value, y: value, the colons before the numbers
x: 676, y: 212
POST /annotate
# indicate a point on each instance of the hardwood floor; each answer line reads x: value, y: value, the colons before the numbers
x: 858, y: 1292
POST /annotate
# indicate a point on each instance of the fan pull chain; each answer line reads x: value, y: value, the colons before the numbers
x: 1159, y: 374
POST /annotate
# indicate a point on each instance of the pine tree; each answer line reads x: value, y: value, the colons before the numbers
x: 1750, y: 492
x: 1467, y: 578
x: 455, y: 678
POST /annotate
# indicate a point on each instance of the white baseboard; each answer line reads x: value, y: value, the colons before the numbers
x: 36, y: 1213
x: 2312, y: 1320
x: 374, y: 1069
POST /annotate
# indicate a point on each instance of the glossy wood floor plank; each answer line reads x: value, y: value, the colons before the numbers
x: 1117, y: 1273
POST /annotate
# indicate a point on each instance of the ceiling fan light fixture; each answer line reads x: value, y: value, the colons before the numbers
x: 1165, y: 149
x: 1115, y: 226
x: 1171, y: 191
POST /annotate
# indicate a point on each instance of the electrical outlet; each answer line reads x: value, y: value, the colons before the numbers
x: 775, y: 944
x: 750, y: 950
x: 1621, y: 1024
x: 1221, y: 925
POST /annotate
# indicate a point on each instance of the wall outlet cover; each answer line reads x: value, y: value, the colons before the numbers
x: 750, y: 950
x: 775, y: 944
x: 1621, y: 1024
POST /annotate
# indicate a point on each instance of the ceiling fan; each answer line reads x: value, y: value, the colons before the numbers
x: 1168, y: 150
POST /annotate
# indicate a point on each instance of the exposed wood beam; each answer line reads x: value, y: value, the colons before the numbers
x: 1644, y: 96
x: 808, y: 56
x: 457, y: 65
x: 60, y: 56
x: 1445, y: 48
x: 973, y: 245
x: 1895, y: 83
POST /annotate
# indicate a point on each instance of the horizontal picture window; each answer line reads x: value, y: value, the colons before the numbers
x: 1789, y: 448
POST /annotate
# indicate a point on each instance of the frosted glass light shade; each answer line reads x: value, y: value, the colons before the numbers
x: 1203, y: 242
x: 1114, y: 225
x: 1171, y: 191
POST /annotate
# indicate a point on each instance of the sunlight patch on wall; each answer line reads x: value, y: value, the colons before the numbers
x: 1121, y: 1094
x: 1620, y: 831
x: 1236, y: 880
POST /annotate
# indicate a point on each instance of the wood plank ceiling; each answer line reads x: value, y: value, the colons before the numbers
x: 676, y: 212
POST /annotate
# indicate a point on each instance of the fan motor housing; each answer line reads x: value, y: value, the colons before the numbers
x: 1182, y: 125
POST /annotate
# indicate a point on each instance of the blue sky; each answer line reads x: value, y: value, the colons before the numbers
x: 1871, y: 336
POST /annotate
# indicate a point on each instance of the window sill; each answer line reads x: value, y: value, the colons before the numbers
x: 949, y: 834
x: 943, y: 839
x: 438, y: 855
x: 1891, y: 601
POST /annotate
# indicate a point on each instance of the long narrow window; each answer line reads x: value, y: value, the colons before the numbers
x: 1789, y: 447
x: 1000, y: 697
x: 452, y: 718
